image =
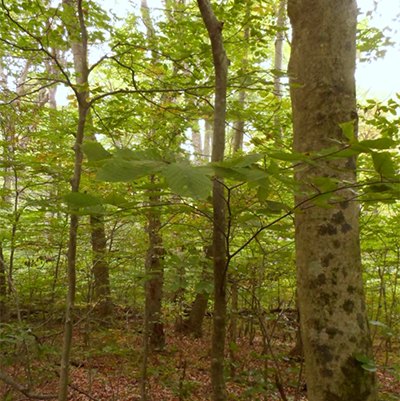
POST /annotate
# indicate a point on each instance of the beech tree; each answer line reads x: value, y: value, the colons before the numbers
x: 334, y: 325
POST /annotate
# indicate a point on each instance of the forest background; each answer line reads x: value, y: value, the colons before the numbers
x: 106, y: 202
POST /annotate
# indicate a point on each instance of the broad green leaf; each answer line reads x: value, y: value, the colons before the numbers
x: 380, y: 143
x: 383, y: 163
x: 227, y: 172
x: 369, y: 368
x: 262, y: 193
x: 186, y: 180
x: 234, y: 347
x: 288, y: 156
x: 114, y: 199
x: 119, y: 170
x: 348, y: 130
x: 95, y: 151
x: 276, y: 206
x: 79, y: 199
x: 242, y: 161
x: 363, y: 359
x: 325, y: 184
x: 146, y: 155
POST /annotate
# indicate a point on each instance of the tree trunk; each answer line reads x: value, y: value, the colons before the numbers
x: 208, y: 139
x: 80, y: 61
x: 233, y: 327
x: 220, y: 260
x: 154, y: 283
x: 3, y: 288
x: 196, y: 317
x: 196, y: 141
x: 333, y: 320
x: 278, y: 58
x: 238, y: 125
x: 101, y: 274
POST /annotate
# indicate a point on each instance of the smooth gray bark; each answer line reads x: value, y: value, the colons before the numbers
x: 331, y: 299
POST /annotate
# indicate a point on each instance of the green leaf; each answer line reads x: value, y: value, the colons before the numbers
x: 119, y: 170
x: 114, y: 199
x: 369, y: 368
x: 233, y: 347
x: 242, y: 161
x: 79, y: 199
x: 288, y: 156
x: 95, y: 151
x: 380, y: 143
x: 348, y: 130
x: 146, y: 155
x: 376, y: 323
x: 325, y: 184
x: 186, y: 180
x: 262, y: 193
x: 363, y: 359
x: 383, y: 163
x: 227, y: 172
x: 276, y: 207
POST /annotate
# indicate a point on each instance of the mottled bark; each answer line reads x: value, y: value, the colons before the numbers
x: 220, y: 260
x: 333, y: 320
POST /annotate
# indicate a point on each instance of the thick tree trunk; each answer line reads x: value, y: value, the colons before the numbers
x: 220, y: 262
x: 333, y: 320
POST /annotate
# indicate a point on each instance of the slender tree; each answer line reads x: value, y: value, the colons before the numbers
x: 331, y: 299
x: 79, y: 51
x: 220, y: 260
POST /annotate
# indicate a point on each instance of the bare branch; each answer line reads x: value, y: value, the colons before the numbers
x: 25, y: 391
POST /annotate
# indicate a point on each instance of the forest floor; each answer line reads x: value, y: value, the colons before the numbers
x: 106, y: 365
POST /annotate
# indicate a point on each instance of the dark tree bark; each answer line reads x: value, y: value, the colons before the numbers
x: 220, y: 260
x: 333, y: 320
x: 155, y: 337
x: 154, y: 283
